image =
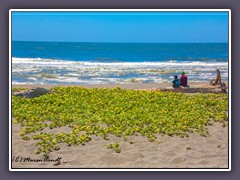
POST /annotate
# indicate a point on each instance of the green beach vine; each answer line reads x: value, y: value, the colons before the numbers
x: 123, y: 113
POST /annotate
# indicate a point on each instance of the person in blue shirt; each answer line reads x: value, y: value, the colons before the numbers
x: 176, y: 82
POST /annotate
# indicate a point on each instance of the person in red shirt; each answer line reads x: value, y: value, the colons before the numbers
x: 183, y: 79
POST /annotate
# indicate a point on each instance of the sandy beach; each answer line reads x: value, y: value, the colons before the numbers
x: 194, y: 151
x: 122, y: 86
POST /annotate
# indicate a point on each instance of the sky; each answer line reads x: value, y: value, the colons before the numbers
x: 137, y: 27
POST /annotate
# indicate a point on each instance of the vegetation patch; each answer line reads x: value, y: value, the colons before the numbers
x: 18, y: 89
x: 118, y: 112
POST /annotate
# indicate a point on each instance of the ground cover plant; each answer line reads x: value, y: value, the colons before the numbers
x: 122, y: 113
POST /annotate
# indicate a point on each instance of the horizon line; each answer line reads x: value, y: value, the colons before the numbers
x: 108, y: 42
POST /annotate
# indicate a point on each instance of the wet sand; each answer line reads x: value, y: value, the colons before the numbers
x: 123, y: 86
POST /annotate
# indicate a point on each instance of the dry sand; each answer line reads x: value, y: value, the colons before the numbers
x: 194, y: 151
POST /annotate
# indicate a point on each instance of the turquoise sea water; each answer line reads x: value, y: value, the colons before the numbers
x: 115, y: 63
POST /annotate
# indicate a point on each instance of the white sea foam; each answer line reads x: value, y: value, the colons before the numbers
x: 30, y: 69
x: 21, y: 83
x: 32, y: 78
x: 49, y: 62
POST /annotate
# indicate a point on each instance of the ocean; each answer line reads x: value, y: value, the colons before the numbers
x: 115, y: 63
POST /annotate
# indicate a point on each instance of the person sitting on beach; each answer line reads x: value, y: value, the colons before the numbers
x: 183, y: 79
x: 216, y: 81
x: 175, y: 81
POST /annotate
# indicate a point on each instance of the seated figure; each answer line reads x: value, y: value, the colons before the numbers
x: 175, y: 81
x: 183, y: 79
x: 216, y: 81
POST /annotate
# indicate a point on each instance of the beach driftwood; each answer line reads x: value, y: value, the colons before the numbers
x: 32, y: 93
x: 193, y: 90
x: 203, y: 88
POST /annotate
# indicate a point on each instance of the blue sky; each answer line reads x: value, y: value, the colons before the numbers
x: 155, y: 27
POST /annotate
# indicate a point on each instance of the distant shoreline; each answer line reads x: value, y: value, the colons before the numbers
x: 123, y: 86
